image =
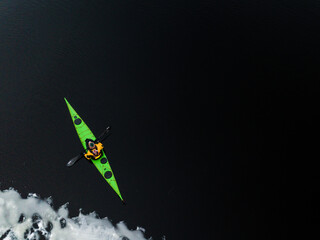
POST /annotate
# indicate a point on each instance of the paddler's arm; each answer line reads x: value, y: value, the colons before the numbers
x: 99, y: 146
x: 87, y: 155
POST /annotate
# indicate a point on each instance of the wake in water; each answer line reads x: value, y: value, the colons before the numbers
x: 35, y: 219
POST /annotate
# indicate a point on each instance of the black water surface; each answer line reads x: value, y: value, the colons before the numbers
x: 210, y: 102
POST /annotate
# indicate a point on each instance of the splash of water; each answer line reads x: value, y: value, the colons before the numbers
x: 34, y: 219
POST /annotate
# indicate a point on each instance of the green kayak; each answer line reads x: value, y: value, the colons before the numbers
x: 102, y: 164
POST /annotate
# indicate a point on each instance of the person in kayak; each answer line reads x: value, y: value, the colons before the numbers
x: 94, y: 149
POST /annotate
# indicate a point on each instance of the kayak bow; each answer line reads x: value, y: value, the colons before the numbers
x: 102, y: 164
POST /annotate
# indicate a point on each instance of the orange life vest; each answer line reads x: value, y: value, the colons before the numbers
x: 89, y: 155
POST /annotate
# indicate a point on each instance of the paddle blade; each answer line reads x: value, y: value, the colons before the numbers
x: 74, y: 160
x: 104, y: 135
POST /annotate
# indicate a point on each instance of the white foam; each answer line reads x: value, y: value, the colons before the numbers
x: 86, y: 227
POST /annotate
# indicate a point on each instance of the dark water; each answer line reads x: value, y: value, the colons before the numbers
x: 209, y: 101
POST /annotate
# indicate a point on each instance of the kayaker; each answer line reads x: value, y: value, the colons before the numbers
x: 94, y: 149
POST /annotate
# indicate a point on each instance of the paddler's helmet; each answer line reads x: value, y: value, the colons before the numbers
x: 90, y: 143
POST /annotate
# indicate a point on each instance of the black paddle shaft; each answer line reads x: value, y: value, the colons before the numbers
x: 104, y: 135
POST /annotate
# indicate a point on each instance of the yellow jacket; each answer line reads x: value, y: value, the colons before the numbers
x: 89, y: 155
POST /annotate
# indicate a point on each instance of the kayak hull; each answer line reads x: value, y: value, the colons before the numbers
x: 102, y: 164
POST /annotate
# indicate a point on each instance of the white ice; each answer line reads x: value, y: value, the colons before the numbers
x: 82, y: 227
